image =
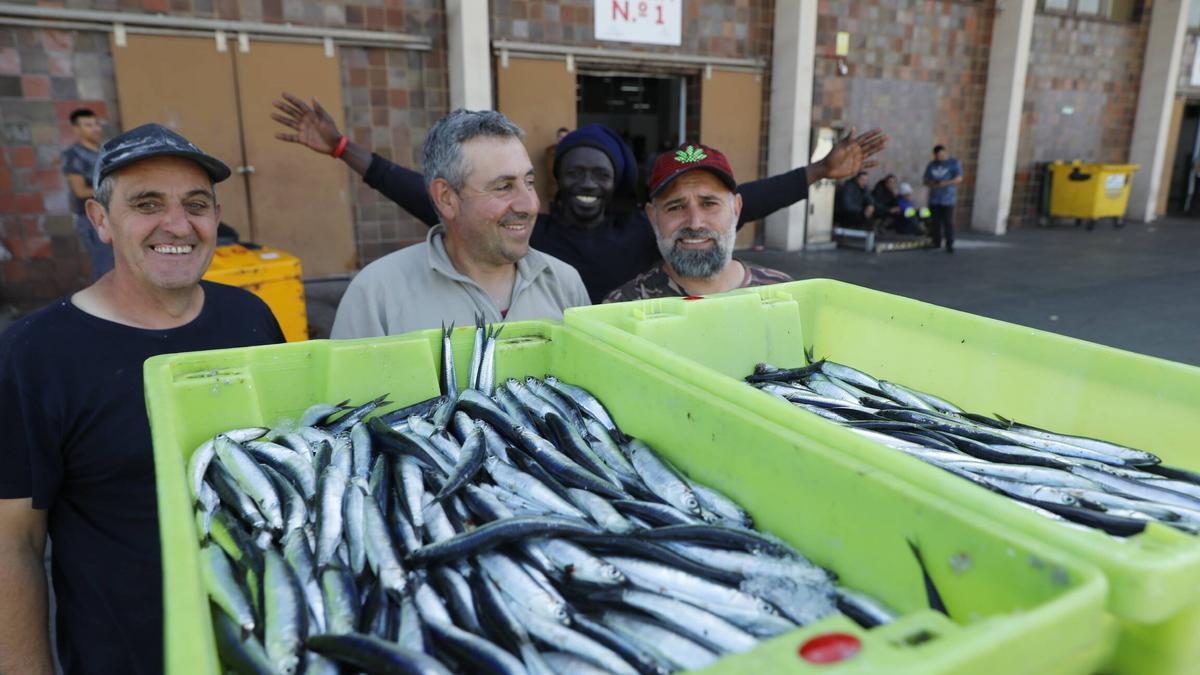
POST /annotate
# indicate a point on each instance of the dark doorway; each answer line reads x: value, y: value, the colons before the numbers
x: 644, y: 110
x: 1186, y: 150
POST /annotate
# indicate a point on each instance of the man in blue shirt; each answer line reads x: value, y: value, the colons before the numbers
x: 942, y: 175
x: 78, y: 162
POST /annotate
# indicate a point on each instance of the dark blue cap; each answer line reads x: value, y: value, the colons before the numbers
x: 153, y: 140
x: 607, y: 141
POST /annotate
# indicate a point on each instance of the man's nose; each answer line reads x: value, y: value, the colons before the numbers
x: 526, y: 200
x: 176, y: 221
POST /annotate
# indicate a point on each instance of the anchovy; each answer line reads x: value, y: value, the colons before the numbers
x: 563, y: 467
x: 586, y: 402
x: 223, y: 587
x: 251, y: 478
x: 449, y: 376
x: 340, y: 599
x: 476, y: 353
x: 709, y: 629
x: 286, y: 613
x: 347, y: 421
x: 681, y: 652
x: 332, y: 489
x: 200, y: 458
x: 469, y: 464
x: 372, y: 654
x: 662, y: 479
x: 297, y: 467
x: 487, y: 365
x: 381, y: 552
x: 243, y: 654
x: 495, y: 534
x: 601, y: 511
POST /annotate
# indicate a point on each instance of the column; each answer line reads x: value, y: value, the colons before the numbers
x: 1012, y: 33
x: 470, y: 64
x: 1151, y: 126
x: 792, y: 62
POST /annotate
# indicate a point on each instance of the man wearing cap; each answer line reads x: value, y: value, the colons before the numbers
x: 75, y: 451
x: 694, y: 210
x: 478, y: 260
x: 594, y: 223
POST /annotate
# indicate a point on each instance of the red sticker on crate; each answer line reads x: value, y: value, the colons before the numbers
x: 693, y: 297
x: 830, y: 648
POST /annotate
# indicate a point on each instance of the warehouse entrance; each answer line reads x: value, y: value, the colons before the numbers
x: 649, y: 112
x: 1183, y: 198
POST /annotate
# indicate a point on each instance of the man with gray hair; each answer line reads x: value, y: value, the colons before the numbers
x: 694, y: 215
x: 477, y: 260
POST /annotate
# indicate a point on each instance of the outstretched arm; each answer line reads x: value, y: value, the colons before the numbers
x: 314, y: 128
x: 763, y: 197
x: 24, y: 625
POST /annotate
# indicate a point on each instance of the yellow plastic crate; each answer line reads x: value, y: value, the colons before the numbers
x: 1090, y: 191
x: 272, y: 275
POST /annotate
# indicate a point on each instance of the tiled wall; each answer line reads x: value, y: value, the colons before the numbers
x: 44, y: 75
x: 916, y: 68
x: 392, y: 97
x: 1080, y: 98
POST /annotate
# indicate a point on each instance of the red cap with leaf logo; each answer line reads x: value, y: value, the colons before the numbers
x: 673, y: 164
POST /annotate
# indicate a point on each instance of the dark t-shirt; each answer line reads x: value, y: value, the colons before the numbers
x: 74, y: 436
x: 79, y: 160
x: 607, y: 255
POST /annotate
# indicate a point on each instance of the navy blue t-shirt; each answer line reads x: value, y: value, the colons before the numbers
x: 74, y: 436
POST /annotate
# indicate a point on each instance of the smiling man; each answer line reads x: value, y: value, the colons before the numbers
x: 693, y: 211
x: 478, y: 260
x: 76, y: 459
x: 594, y: 223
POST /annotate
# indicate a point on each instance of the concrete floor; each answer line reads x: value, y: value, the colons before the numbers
x: 1136, y: 288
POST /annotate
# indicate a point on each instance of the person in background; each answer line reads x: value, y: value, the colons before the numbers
x: 478, y: 260
x: 693, y: 211
x: 594, y: 224
x: 912, y: 220
x: 886, y: 196
x: 548, y: 161
x: 78, y: 160
x: 853, y: 206
x: 76, y: 460
x: 943, y: 176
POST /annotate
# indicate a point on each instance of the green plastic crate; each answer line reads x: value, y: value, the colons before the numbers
x: 981, y: 364
x: 1018, y: 605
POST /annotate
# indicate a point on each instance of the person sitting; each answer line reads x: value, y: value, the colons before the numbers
x: 477, y: 261
x: 593, y: 223
x: 886, y: 196
x: 853, y: 206
x: 912, y: 220
x: 693, y: 212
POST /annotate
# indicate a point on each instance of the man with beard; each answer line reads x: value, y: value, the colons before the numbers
x: 477, y: 262
x: 594, y: 224
x: 694, y: 212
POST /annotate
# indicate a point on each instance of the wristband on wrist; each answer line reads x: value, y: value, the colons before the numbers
x: 341, y: 147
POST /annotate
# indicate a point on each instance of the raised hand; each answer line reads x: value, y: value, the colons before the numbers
x: 853, y: 153
x: 313, y: 124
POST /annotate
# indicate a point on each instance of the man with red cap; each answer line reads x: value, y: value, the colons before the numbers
x: 693, y: 211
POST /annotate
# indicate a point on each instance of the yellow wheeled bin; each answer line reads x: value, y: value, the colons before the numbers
x: 1089, y: 192
x: 269, y: 273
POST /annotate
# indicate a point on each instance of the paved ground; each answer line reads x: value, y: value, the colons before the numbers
x: 1136, y: 288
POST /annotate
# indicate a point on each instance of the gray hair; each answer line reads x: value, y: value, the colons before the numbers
x: 104, y: 191
x: 442, y: 153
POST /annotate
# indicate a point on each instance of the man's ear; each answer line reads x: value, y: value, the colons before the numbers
x: 737, y: 205
x: 99, y: 217
x: 445, y: 199
x: 652, y: 214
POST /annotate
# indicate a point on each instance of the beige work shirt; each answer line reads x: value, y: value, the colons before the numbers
x: 417, y: 288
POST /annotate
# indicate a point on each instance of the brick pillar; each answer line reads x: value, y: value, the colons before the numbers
x: 1160, y: 73
x: 469, y: 44
x: 1012, y: 32
x: 792, y: 64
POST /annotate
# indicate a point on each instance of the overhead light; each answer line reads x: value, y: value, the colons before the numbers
x: 615, y: 101
x: 631, y: 87
x: 641, y: 106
